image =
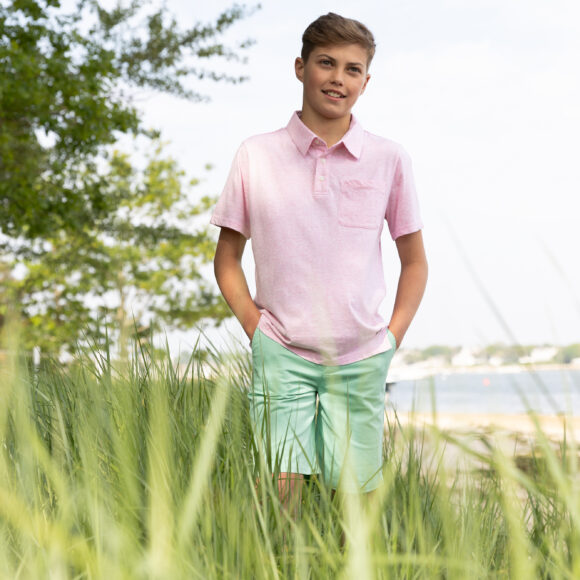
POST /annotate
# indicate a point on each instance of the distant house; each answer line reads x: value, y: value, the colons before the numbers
x: 540, y: 354
x: 464, y: 358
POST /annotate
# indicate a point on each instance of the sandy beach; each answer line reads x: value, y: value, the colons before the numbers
x: 553, y: 426
x: 469, y: 437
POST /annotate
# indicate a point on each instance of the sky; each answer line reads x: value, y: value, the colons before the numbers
x: 484, y: 95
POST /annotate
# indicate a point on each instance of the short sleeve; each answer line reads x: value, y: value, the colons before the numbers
x: 402, y: 214
x: 231, y: 210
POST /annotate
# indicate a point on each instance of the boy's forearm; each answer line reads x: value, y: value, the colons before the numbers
x: 234, y: 287
x: 410, y: 291
x: 412, y: 283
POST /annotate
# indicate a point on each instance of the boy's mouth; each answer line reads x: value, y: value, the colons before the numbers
x: 334, y: 94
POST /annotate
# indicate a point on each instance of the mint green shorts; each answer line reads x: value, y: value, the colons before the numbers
x: 310, y: 418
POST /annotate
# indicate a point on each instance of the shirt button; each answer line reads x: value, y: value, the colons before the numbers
x: 323, y: 161
x: 321, y: 178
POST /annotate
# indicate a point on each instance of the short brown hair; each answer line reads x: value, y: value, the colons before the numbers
x: 334, y: 29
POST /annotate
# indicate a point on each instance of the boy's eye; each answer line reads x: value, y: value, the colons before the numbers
x: 355, y: 69
x: 325, y: 61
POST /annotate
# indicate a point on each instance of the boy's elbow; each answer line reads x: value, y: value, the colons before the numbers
x: 422, y: 264
x: 417, y: 268
x: 224, y: 262
x: 215, y: 266
x: 218, y: 263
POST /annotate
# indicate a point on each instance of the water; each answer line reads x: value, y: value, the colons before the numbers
x: 547, y: 392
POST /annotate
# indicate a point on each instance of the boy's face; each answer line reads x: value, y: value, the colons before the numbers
x: 333, y: 77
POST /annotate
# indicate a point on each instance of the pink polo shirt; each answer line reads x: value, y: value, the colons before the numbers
x: 315, y: 216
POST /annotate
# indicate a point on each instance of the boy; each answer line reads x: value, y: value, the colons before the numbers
x: 313, y: 197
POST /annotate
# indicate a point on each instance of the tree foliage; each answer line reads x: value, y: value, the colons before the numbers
x: 139, y: 266
x: 85, y: 235
x: 568, y: 353
x: 65, y: 86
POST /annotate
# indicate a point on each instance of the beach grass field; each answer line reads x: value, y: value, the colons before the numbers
x: 143, y: 469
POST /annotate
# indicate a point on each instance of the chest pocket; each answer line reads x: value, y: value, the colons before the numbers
x: 361, y: 204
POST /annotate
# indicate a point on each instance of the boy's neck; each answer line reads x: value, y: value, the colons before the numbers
x: 331, y: 131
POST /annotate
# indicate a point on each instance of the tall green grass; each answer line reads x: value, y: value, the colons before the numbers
x: 140, y: 470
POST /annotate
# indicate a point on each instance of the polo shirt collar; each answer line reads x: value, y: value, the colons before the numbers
x: 303, y: 137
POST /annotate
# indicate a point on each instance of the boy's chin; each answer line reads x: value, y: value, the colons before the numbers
x: 334, y: 115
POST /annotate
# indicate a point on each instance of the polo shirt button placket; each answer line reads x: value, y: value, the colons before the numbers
x: 321, y: 181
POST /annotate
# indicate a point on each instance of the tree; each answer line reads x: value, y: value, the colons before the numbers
x: 85, y: 236
x: 567, y: 354
x: 139, y: 266
x: 65, y: 82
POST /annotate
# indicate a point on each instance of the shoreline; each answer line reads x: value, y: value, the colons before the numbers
x: 554, y: 427
x: 418, y: 372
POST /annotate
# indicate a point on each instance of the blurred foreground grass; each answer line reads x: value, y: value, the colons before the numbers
x: 138, y: 470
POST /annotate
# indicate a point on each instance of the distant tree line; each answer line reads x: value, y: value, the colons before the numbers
x: 507, y: 354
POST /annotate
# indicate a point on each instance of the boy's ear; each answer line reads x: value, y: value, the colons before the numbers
x: 365, y: 85
x: 299, y: 69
